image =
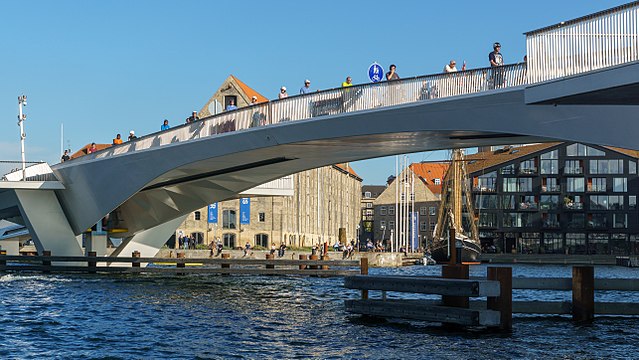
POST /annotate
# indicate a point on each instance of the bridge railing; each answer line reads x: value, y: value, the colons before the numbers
x: 596, y: 41
x: 332, y: 102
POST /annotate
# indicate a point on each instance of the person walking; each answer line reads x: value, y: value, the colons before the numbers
x: 283, y: 94
x: 306, y: 88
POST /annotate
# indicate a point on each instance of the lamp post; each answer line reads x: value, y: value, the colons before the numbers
x: 22, y: 101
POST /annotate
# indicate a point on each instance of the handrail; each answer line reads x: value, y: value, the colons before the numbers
x: 604, y: 39
x: 331, y: 102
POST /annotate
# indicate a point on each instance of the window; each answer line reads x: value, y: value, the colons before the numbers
x: 597, y: 184
x: 573, y: 202
x: 508, y: 202
x: 486, y: 202
x: 423, y: 211
x: 261, y: 240
x: 391, y: 210
x: 487, y: 220
x: 549, y: 202
x: 368, y: 194
x: 369, y: 205
x: 619, y: 185
x: 382, y: 225
x: 632, y: 167
x: 528, y: 167
x: 432, y: 226
x: 553, y: 243
x: 583, y: 150
x: 487, y: 182
x: 437, y: 181
x: 619, y: 221
x: 550, y: 155
x: 614, y: 166
x: 197, y: 215
x: 391, y: 225
x: 229, y: 240
x: 549, y: 166
x: 508, y: 170
x: 423, y: 226
x: 550, y: 185
x: 517, y: 220
x: 574, y: 167
x: 228, y: 219
x: 632, y: 202
x: 432, y: 211
x: 598, y: 244
x: 510, y: 184
x: 575, y: 184
x: 550, y: 221
x: 261, y: 217
x: 227, y: 100
x: 527, y: 202
x: 382, y: 210
x: 576, y: 221
x: 524, y: 184
x: 597, y: 221
x: 576, y: 243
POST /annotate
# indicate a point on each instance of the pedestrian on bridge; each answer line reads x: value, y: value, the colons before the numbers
x: 283, y: 94
x: 65, y: 156
x: 132, y: 135
x: 117, y: 140
x: 306, y: 88
x: 391, y: 74
x: 165, y: 125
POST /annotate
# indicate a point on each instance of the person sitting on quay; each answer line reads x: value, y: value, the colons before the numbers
x: 92, y: 149
x: 369, y: 245
x: 132, y: 135
x: 272, y: 249
x: 337, y: 246
x: 451, y: 67
x: 306, y: 88
x: 165, y: 125
x: 314, y: 250
x: 247, y: 247
x: 65, y: 156
x: 219, y: 247
x: 231, y: 105
x: 281, y: 250
x: 117, y: 140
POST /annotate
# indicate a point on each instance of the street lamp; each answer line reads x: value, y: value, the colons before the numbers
x: 22, y: 101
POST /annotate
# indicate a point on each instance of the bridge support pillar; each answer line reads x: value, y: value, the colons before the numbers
x: 149, y: 242
x: 47, y: 223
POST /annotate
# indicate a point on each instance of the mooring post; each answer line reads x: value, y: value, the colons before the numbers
x: 3, y: 262
x: 325, y: 258
x: 457, y: 271
x: 46, y: 264
x: 91, y: 263
x: 452, y: 249
x: 363, y: 270
x: 180, y: 255
x: 303, y: 257
x: 313, y: 257
x: 226, y: 265
x: 583, y: 293
x: 504, y: 302
x: 135, y: 255
x: 270, y: 257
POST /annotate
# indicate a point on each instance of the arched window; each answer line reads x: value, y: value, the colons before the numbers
x: 261, y: 240
x: 229, y: 219
x: 229, y: 240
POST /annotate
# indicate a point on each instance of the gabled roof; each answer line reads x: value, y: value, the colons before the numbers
x: 487, y: 159
x: 249, y: 91
x: 84, y: 150
x: 346, y: 168
x: 428, y: 172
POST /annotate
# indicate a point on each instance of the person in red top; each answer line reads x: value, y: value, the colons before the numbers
x: 92, y: 149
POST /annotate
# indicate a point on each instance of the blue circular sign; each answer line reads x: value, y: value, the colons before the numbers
x: 375, y: 72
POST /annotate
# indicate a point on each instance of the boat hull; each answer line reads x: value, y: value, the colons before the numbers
x: 470, y: 252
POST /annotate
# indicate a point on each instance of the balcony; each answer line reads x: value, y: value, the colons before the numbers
x: 528, y: 206
x: 550, y: 224
x: 484, y: 189
x: 528, y: 171
x: 573, y: 206
x: 574, y: 171
x: 550, y: 188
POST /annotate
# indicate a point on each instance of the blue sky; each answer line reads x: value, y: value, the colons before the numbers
x: 107, y: 67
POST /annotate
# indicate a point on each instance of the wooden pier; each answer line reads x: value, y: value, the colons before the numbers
x: 456, y: 289
x: 180, y: 265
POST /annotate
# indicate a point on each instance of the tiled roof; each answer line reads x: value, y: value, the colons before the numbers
x: 85, y: 148
x: 347, y: 168
x: 487, y: 159
x: 428, y: 172
x: 249, y: 91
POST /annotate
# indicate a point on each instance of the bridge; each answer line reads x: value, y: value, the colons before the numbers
x: 581, y: 83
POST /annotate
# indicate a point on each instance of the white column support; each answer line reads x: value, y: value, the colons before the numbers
x: 47, y: 223
x: 148, y: 242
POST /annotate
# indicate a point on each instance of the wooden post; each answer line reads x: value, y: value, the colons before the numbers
x: 3, y: 262
x: 363, y: 270
x: 46, y: 264
x: 135, y: 255
x: 270, y: 257
x: 226, y: 265
x: 452, y: 249
x: 456, y: 271
x: 325, y: 258
x: 583, y: 293
x: 180, y: 255
x: 313, y: 257
x: 303, y: 257
x: 91, y: 263
x: 504, y: 302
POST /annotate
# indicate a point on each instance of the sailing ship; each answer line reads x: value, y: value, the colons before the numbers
x: 455, y: 195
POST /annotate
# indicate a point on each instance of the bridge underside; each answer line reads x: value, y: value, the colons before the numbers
x: 148, y: 188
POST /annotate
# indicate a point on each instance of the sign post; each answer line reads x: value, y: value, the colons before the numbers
x: 375, y: 72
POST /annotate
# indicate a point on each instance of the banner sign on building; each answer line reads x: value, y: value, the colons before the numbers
x: 245, y: 211
x: 414, y: 230
x: 213, y: 213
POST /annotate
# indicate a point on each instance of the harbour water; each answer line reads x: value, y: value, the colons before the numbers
x: 196, y: 317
